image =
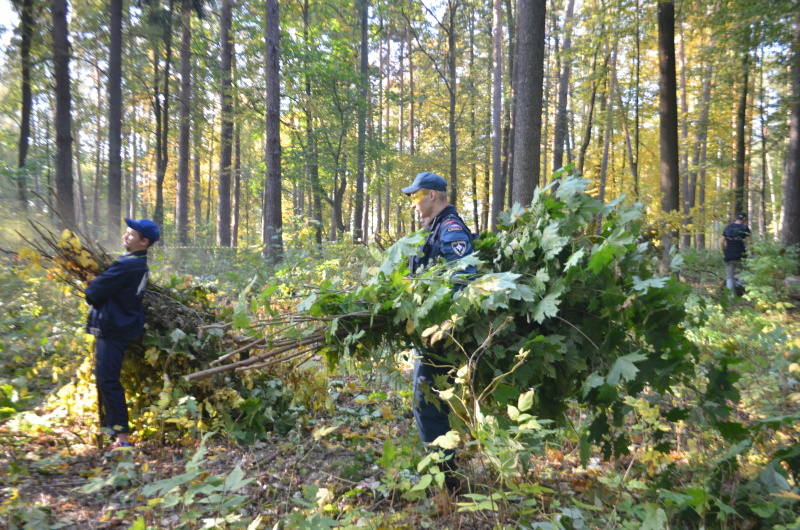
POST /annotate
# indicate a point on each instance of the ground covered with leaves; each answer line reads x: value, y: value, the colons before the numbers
x: 315, y: 444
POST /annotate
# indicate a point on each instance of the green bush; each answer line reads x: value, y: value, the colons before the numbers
x: 765, y: 270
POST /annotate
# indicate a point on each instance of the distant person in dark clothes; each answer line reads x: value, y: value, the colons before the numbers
x: 735, y: 239
x: 447, y: 238
x: 115, y: 319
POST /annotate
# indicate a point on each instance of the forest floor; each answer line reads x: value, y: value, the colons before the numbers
x: 53, y: 467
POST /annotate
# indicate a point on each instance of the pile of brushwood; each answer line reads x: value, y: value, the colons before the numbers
x: 185, y: 331
x: 566, y: 301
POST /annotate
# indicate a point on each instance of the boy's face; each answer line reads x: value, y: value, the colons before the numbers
x: 133, y: 241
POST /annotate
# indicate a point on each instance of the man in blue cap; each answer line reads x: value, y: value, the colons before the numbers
x: 448, y: 239
x: 116, y: 318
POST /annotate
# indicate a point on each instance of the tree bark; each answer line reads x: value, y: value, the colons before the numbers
x: 64, y: 202
x: 26, y: 26
x: 226, y: 130
x: 358, y: 217
x: 272, y: 224
x: 496, y: 112
x: 161, y: 108
x: 668, y: 114
x: 113, y: 221
x: 529, y: 75
x: 741, y: 124
x: 790, y: 227
x: 184, y: 126
x: 563, y: 92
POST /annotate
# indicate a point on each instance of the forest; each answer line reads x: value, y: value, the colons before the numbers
x: 603, y: 374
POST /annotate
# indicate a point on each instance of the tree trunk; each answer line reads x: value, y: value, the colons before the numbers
x: 741, y: 124
x: 272, y: 224
x: 114, y: 123
x: 451, y: 85
x: 528, y: 125
x: 64, y: 202
x: 237, y: 187
x: 668, y: 113
x: 700, y: 139
x: 687, y: 192
x: 226, y: 130
x: 358, y: 227
x: 587, y: 137
x: 184, y: 126
x: 609, y: 125
x: 790, y: 227
x: 496, y: 112
x: 161, y: 106
x: 134, y: 189
x: 26, y: 26
x: 563, y: 92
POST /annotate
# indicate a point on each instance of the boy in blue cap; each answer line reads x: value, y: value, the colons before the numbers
x: 115, y: 319
x: 448, y: 238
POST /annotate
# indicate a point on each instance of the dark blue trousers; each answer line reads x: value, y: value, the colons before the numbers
x: 431, y: 413
x: 110, y: 394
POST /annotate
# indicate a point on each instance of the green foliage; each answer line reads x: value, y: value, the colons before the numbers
x: 579, y: 301
x: 767, y: 266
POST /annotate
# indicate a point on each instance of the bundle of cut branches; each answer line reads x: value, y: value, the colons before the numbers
x: 567, y: 300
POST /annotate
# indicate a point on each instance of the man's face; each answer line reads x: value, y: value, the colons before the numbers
x: 133, y: 241
x: 422, y: 203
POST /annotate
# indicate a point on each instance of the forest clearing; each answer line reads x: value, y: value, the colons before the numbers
x: 399, y: 264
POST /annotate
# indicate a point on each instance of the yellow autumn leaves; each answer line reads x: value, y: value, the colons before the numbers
x: 70, y: 259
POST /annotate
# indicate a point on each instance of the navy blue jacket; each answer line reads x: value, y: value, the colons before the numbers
x: 735, y: 233
x: 116, y: 299
x: 449, y: 238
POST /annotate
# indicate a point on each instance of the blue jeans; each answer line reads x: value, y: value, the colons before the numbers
x: 110, y: 394
x: 431, y: 413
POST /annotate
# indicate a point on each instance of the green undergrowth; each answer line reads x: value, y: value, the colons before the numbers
x: 721, y: 449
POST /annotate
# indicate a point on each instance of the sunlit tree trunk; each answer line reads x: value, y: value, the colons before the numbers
x: 496, y: 112
x: 358, y: 227
x: 64, y: 201
x: 563, y: 91
x: 700, y: 140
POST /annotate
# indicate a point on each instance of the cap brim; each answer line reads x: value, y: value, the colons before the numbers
x: 411, y: 189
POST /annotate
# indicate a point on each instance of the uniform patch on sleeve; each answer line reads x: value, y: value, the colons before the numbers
x: 459, y: 247
x: 455, y: 227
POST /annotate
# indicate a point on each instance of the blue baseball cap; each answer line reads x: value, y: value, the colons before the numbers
x: 146, y: 227
x: 426, y: 181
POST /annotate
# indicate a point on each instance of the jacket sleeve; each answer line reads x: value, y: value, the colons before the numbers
x: 456, y: 241
x: 104, y: 286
